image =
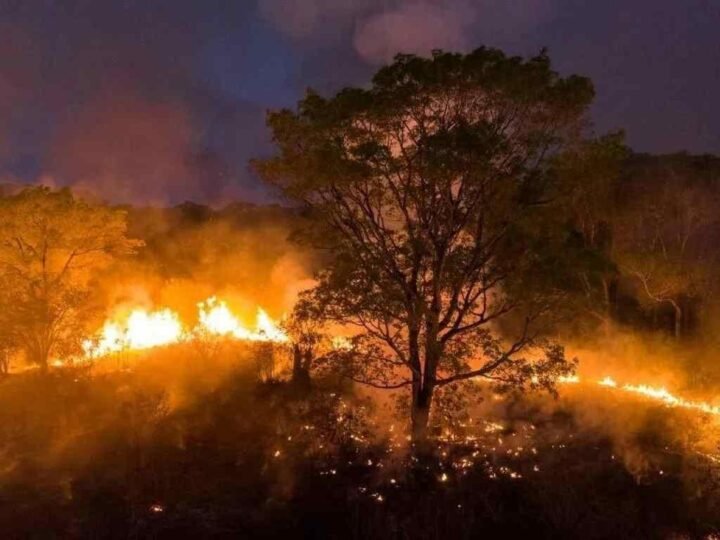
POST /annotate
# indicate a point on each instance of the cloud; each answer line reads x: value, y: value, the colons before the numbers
x: 304, y: 18
x: 379, y: 29
x: 414, y: 27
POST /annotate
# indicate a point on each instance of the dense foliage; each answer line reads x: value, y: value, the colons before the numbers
x: 431, y: 190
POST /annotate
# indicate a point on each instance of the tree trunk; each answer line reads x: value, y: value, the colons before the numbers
x: 301, y: 369
x: 43, y: 363
x: 678, y: 319
x: 297, y: 360
x: 422, y: 398
x: 608, y: 311
x: 420, y: 413
x: 40, y: 355
x: 265, y: 361
x: 4, y: 363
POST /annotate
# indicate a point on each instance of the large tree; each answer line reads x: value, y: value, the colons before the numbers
x: 432, y: 191
x: 52, y: 245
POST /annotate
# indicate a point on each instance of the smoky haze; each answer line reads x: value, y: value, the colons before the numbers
x: 161, y: 102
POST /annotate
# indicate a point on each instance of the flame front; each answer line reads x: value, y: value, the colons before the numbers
x: 660, y: 394
x: 216, y: 318
x: 143, y: 329
x: 147, y: 330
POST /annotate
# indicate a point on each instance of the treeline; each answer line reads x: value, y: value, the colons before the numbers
x: 654, y: 223
x: 647, y: 227
x: 654, y: 218
x: 648, y: 220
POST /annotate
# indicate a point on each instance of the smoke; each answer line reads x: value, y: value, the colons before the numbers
x: 302, y: 19
x: 414, y: 27
x: 381, y: 29
x: 126, y: 148
x: 160, y: 103
x: 106, y: 97
x: 240, y: 253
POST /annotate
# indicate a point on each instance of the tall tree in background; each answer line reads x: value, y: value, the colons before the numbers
x: 51, y: 247
x: 429, y: 190
x: 589, y: 175
x: 662, y: 243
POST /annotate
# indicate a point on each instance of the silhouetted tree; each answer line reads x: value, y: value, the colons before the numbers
x: 305, y: 329
x: 51, y: 246
x: 431, y: 190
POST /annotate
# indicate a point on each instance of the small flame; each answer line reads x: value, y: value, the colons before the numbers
x: 267, y: 330
x: 608, y: 381
x: 341, y: 343
x: 216, y: 318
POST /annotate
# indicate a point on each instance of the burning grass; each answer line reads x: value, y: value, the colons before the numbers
x: 191, y: 443
x: 166, y: 428
x: 142, y: 329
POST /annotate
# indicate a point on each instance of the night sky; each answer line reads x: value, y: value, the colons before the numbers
x: 160, y: 101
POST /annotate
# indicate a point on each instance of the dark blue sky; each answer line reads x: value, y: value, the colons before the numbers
x: 162, y: 101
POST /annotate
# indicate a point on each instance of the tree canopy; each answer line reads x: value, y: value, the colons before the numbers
x: 51, y: 247
x: 433, y: 192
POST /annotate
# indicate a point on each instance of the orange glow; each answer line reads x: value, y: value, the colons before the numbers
x: 216, y: 318
x: 608, y: 381
x: 143, y: 329
x: 660, y: 394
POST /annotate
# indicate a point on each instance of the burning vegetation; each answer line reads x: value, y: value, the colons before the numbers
x: 471, y: 318
x: 147, y: 329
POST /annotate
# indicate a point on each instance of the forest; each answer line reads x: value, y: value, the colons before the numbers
x: 468, y: 315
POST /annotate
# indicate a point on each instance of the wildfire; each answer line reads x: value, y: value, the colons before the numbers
x: 656, y: 393
x: 216, y: 318
x: 143, y: 329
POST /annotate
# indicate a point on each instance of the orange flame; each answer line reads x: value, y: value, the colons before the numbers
x: 216, y: 318
x: 660, y: 394
x: 144, y: 329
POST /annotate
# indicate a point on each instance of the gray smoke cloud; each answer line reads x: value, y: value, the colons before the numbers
x: 414, y: 27
x: 380, y: 29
